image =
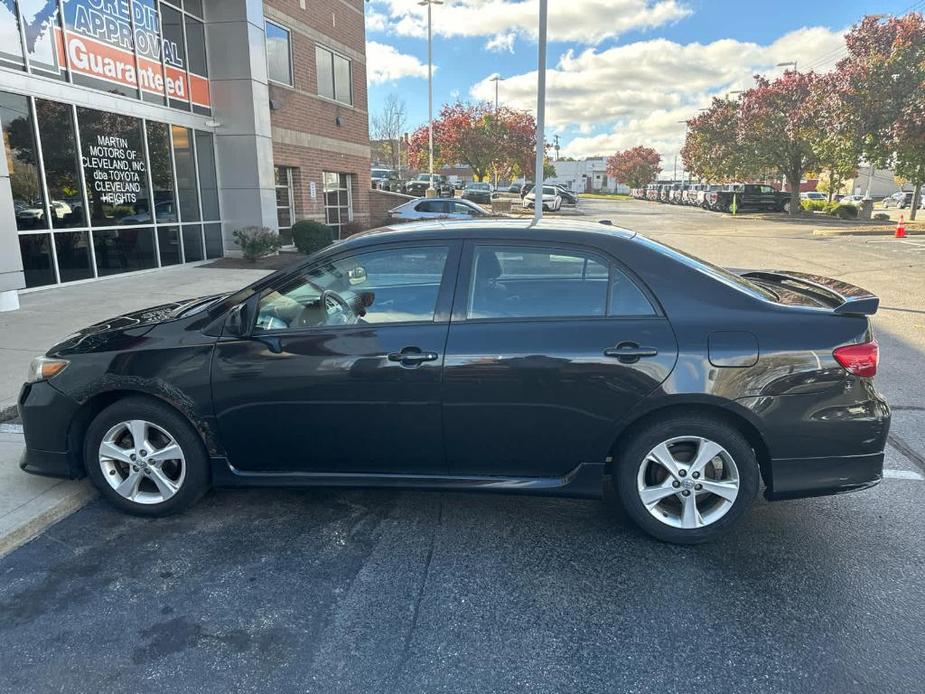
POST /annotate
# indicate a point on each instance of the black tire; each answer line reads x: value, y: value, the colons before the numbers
x: 633, y: 455
x: 196, y: 480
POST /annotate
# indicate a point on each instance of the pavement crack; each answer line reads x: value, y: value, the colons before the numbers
x: 406, y: 647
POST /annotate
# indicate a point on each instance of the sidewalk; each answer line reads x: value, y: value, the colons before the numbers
x: 29, y: 504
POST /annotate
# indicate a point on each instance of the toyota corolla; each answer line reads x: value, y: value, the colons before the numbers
x: 495, y: 356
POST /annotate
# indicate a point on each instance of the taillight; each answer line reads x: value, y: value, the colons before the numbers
x: 860, y: 359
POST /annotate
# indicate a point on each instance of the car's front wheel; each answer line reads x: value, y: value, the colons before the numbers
x: 146, y: 458
x: 687, y: 479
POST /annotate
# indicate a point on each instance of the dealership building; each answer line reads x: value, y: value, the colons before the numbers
x: 139, y: 134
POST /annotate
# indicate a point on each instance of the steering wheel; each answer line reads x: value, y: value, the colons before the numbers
x: 336, y: 308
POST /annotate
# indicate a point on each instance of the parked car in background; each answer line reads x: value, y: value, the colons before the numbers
x: 386, y: 179
x: 851, y: 199
x: 419, y: 184
x: 551, y: 199
x: 813, y: 195
x: 901, y: 199
x: 750, y: 196
x: 477, y: 192
x: 436, y: 208
x: 164, y: 211
x: 429, y: 349
x: 568, y: 197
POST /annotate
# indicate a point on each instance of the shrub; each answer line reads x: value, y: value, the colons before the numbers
x: 845, y: 211
x: 817, y: 205
x: 256, y: 242
x: 310, y: 236
x: 881, y: 217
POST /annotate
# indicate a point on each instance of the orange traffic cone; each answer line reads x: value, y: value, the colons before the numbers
x: 901, y: 228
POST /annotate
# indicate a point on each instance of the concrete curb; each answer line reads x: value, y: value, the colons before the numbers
x: 883, y: 233
x: 42, y: 512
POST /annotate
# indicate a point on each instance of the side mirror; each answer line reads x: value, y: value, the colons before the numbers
x: 237, y: 324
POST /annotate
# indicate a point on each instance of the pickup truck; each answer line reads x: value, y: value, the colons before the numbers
x: 750, y: 196
x: 419, y: 185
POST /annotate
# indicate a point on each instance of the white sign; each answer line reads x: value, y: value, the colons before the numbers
x: 312, y: 191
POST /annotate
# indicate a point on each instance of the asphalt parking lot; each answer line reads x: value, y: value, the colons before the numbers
x: 389, y: 591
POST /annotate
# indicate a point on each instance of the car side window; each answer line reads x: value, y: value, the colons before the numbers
x: 532, y: 282
x: 389, y: 286
x: 626, y: 298
x: 462, y: 208
x: 430, y: 206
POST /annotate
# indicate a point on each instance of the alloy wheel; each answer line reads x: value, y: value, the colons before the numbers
x: 688, y: 482
x: 142, y: 461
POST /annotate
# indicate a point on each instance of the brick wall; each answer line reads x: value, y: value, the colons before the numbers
x: 380, y: 202
x: 337, y: 134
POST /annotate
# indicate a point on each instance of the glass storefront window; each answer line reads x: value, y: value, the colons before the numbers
x: 73, y: 251
x: 123, y: 250
x: 284, y: 215
x: 194, y: 6
x: 208, y: 181
x: 10, y: 39
x: 198, y: 66
x: 41, y: 21
x: 165, y: 207
x: 148, y: 49
x: 187, y: 186
x: 100, y: 46
x: 214, y: 246
x: 37, y: 263
x: 192, y: 242
x: 168, y: 243
x: 59, y: 156
x: 22, y: 161
x: 114, y: 168
x: 174, y: 50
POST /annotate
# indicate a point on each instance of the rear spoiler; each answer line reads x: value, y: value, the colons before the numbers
x: 844, y: 298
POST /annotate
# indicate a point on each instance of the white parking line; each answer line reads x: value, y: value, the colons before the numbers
x: 903, y: 475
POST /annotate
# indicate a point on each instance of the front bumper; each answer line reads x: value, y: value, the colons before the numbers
x: 46, y: 415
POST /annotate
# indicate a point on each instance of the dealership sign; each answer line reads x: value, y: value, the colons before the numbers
x: 100, y: 43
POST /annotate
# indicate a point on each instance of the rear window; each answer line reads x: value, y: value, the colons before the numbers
x: 714, y: 271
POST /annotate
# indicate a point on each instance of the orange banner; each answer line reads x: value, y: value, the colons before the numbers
x: 99, y: 60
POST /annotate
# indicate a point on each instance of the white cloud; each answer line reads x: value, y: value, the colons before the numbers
x: 581, y: 21
x: 376, y: 21
x: 501, y: 42
x: 638, y: 92
x: 385, y: 64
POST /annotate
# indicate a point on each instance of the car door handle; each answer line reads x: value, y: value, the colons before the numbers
x: 411, y: 356
x: 629, y: 352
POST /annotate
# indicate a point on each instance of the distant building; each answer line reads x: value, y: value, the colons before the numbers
x: 882, y: 183
x: 586, y: 176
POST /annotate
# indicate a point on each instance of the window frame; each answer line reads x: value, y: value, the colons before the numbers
x: 442, y: 308
x: 333, y: 98
x: 266, y: 48
x: 465, y: 277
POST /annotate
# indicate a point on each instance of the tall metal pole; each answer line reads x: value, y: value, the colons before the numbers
x: 496, y: 79
x: 430, y: 104
x: 540, y: 115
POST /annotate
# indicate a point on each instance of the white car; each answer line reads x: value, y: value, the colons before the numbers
x: 436, y: 208
x: 552, y: 201
x: 851, y: 200
x: 813, y: 195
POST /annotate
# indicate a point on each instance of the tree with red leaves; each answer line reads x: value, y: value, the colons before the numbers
x: 712, y: 151
x: 884, y: 91
x: 778, y: 127
x: 489, y: 141
x: 635, y: 167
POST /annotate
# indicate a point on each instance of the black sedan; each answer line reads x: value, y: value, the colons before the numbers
x: 496, y: 356
x: 478, y: 193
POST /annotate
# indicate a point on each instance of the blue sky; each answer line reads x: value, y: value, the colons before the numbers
x: 619, y: 72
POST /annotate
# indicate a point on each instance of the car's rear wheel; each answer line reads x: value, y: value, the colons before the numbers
x: 146, y: 458
x: 687, y: 479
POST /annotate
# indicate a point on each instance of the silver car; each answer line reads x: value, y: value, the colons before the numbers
x: 436, y: 208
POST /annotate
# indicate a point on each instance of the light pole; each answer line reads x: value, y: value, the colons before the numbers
x: 496, y: 79
x: 540, y: 115
x: 686, y: 128
x: 431, y: 191
x: 738, y: 91
x: 788, y: 63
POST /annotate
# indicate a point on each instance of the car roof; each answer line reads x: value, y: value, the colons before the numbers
x: 520, y: 229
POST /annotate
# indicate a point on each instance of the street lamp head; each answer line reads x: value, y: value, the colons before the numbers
x: 422, y: 3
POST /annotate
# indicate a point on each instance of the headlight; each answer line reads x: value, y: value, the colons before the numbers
x: 43, y: 368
